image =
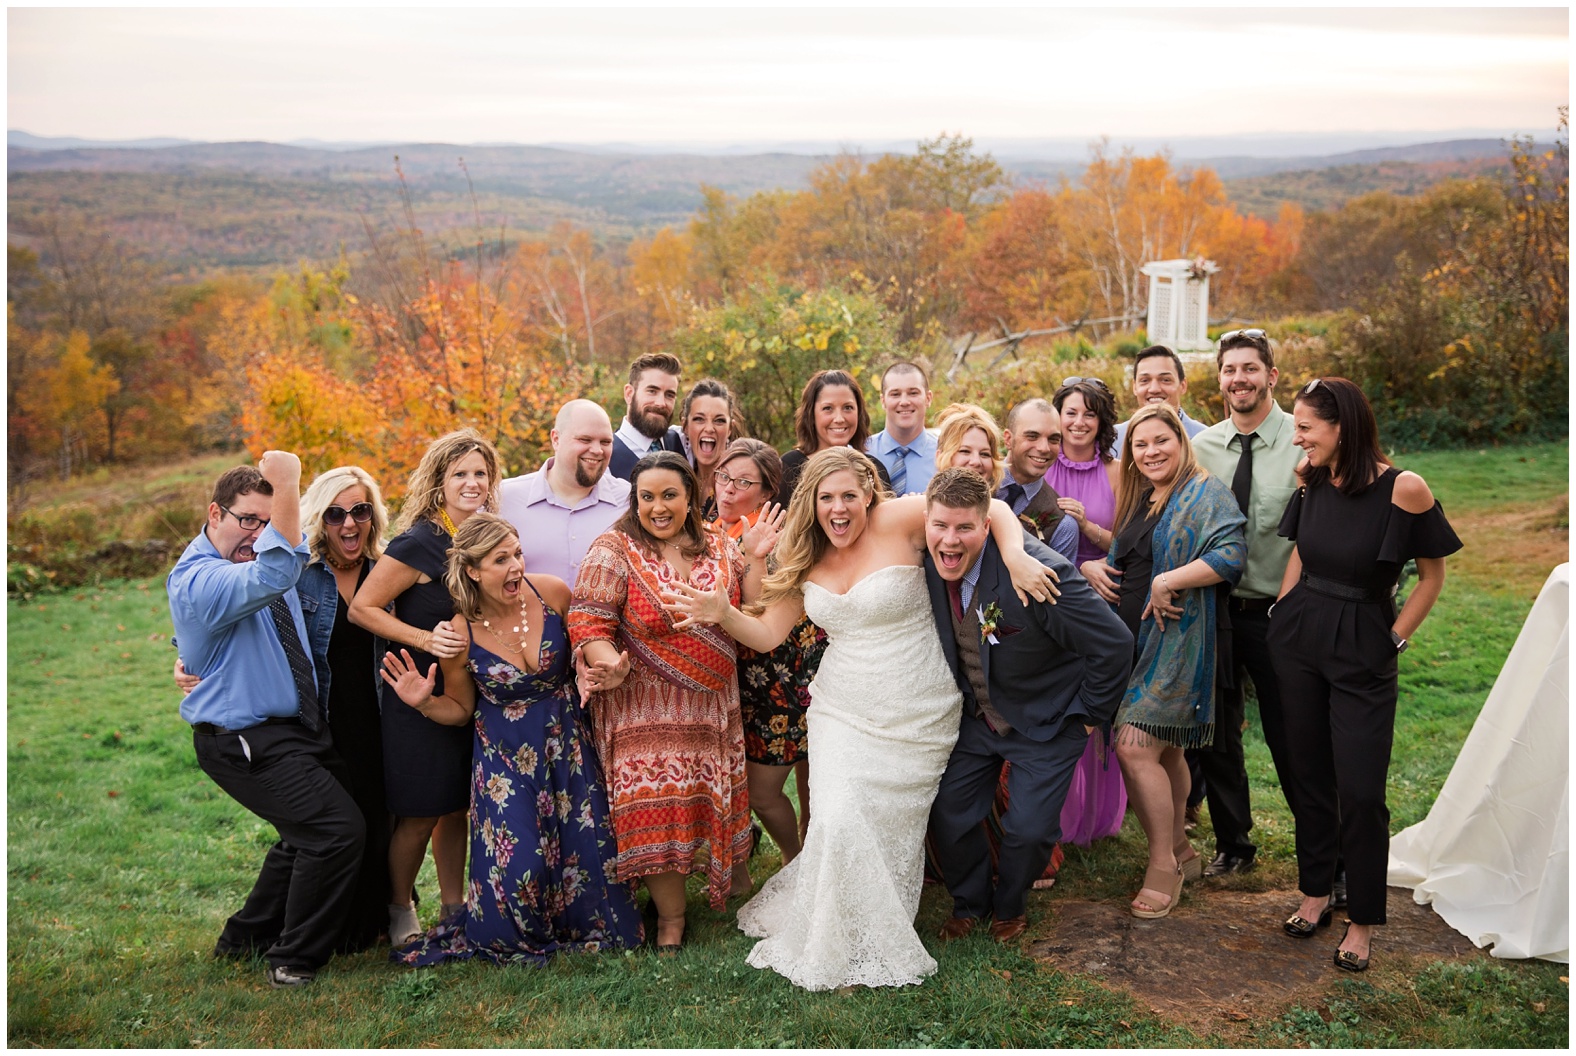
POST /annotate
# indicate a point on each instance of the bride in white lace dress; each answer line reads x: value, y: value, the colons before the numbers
x: 882, y: 721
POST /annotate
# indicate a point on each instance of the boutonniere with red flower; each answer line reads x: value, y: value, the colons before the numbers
x: 990, y: 618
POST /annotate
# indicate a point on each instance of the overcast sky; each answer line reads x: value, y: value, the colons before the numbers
x: 726, y: 75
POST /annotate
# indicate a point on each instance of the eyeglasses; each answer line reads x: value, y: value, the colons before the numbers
x: 249, y: 522
x: 1066, y: 382
x: 361, y: 513
x: 741, y: 483
x: 1251, y: 335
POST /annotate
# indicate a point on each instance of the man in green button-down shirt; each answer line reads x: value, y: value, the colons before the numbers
x: 1263, y: 481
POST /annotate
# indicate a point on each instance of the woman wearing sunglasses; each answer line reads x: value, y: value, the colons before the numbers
x: 343, y: 519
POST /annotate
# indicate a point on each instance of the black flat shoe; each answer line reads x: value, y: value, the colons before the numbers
x: 1350, y: 961
x: 1299, y: 928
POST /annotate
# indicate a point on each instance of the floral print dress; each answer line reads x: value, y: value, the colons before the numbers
x: 541, y: 859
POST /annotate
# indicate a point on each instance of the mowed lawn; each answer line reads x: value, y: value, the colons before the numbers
x: 124, y: 860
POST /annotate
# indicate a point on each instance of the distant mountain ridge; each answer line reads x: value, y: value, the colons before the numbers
x: 262, y: 205
x: 544, y: 168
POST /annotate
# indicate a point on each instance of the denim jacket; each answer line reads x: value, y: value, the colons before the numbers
x: 319, y: 594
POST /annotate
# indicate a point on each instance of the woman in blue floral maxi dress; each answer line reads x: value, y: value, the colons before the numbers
x: 539, y: 878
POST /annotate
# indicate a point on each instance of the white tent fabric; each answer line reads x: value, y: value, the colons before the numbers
x: 1493, y: 854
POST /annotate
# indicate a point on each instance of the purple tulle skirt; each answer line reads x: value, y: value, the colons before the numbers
x: 1097, y: 798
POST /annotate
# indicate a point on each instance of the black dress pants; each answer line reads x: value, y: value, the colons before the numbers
x: 1042, y: 771
x: 1337, y: 670
x: 293, y: 779
x: 1224, y: 771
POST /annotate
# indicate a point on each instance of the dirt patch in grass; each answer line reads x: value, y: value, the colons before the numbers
x: 1513, y: 548
x: 1222, y: 958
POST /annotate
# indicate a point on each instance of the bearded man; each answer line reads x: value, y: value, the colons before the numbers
x: 649, y: 398
x: 558, y: 510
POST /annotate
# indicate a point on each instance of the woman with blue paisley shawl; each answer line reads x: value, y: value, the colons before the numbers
x: 1179, y: 533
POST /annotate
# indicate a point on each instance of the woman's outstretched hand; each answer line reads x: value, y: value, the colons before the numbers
x: 762, y: 536
x: 406, y: 678
x: 694, y: 606
x: 1030, y: 579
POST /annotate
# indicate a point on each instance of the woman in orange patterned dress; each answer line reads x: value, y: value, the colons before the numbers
x: 664, y: 704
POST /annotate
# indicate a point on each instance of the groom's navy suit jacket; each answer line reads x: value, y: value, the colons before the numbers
x: 1054, y: 664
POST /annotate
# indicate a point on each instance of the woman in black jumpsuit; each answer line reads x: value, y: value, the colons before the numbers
x: 1334, y: 639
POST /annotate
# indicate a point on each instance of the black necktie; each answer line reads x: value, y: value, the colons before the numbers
x: 1242, y: 479
x: 300, y: 663
x: 1012, y: 495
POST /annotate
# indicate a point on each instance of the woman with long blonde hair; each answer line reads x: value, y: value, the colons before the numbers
x: 426, y: 764
x: 883, y: 721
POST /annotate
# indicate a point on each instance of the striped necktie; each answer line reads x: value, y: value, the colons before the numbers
x: 300, y: 663
x: 900, y: 471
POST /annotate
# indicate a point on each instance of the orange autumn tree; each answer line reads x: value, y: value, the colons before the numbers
x: 473, y: 361
x: 1045, y: 257
x: 344, y: 381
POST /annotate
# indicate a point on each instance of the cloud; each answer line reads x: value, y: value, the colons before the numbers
x: 594, y: 75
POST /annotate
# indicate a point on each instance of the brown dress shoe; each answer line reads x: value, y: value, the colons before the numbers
x: 1009, y: 929
x: 958, y: 927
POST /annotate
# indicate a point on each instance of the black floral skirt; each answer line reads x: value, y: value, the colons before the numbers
x: 774, y: 691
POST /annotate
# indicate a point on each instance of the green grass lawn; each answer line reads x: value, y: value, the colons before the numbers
x: 124, y: 860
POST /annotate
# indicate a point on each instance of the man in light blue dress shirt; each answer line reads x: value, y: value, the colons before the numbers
x: 905, y: 446
x: 258, y: 728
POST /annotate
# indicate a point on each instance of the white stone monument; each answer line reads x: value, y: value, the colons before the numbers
x: 1179, y: 302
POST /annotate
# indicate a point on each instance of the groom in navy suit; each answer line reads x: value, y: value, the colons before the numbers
x: 1036, y: 679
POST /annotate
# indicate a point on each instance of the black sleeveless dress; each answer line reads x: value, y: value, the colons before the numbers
x: 358, y: 736
x: 426, y: 764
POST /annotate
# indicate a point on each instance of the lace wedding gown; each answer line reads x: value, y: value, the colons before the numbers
x: 882, y: 722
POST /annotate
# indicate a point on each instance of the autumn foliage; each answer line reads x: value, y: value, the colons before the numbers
x: 1431, y: 301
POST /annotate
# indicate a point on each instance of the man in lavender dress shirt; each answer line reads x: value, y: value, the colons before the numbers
x: 561, y: 508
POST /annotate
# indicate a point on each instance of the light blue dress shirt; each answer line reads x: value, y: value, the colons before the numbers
x: 226, y: 635
x: 919, y: 462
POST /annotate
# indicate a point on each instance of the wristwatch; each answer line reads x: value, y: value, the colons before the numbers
x: 1399, y: 643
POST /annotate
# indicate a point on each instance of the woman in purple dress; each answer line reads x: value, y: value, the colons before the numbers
x: 1085, y: 475
x: 541, y: 850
